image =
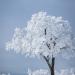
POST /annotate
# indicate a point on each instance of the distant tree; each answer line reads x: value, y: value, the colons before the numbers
x: 45, y: 36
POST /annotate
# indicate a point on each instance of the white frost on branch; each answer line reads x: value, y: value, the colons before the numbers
x: 44, y: 34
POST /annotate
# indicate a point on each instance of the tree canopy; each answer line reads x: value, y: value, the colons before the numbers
x: 44, y: 35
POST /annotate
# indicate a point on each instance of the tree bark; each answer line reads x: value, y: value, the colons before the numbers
x: 50, y: 65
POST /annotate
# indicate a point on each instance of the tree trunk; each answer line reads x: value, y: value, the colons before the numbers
x: 50, y: 65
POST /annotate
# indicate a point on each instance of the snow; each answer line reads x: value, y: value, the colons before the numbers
x: 38, y: 72
x: 5, y: 74
x: 46, y: 72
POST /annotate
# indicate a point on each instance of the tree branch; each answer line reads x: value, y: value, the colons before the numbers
x: 47, y: 61
x: 48, y: 45
x: 53, y: 62
x: 45, y: 32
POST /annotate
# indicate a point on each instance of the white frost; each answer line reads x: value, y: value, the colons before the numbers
x: 38, y: 72
x: 46, y: 72
x: 44, y: 34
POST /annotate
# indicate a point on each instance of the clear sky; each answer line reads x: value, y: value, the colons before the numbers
x: 15, y: 13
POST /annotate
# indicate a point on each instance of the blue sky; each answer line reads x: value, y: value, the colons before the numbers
x: 15, y: 13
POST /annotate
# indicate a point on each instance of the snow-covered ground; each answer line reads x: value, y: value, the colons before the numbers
x: 46, y: 72
x: 5, y: 74
x: 38, y: 72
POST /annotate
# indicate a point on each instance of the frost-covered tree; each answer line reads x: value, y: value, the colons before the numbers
x: 45, y: 36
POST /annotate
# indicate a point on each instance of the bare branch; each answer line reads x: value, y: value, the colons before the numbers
x: 45, y: 32
x: 48, y: 45
x: 47, y: 60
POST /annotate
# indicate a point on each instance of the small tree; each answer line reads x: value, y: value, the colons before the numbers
x: 45, y: 36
